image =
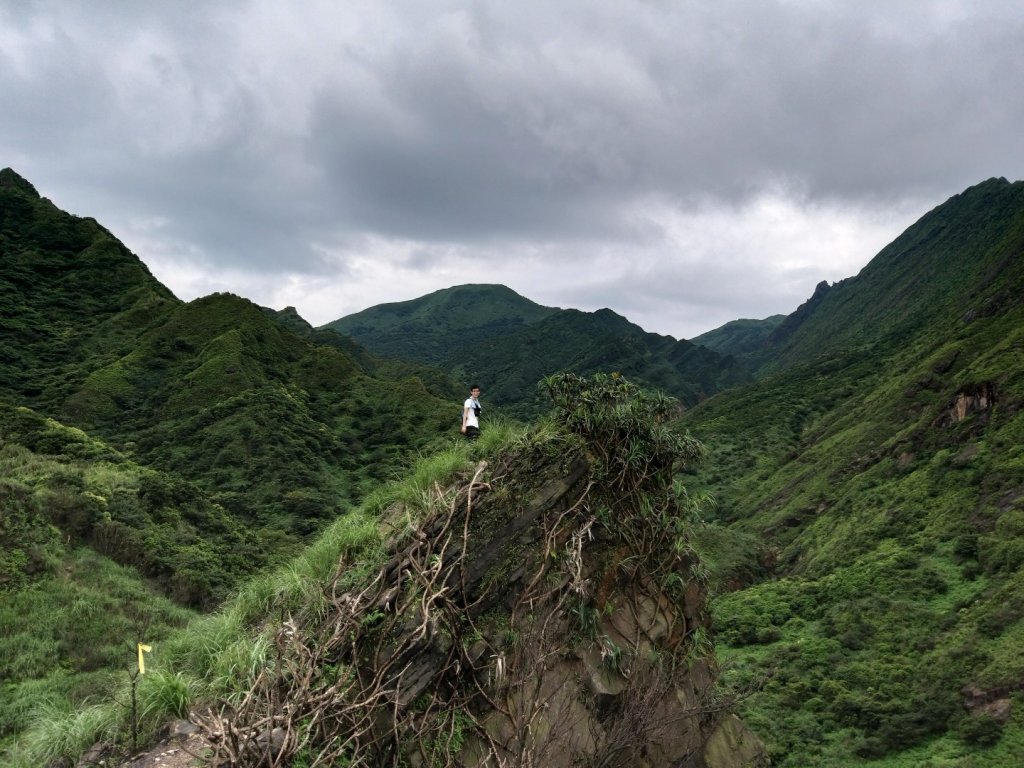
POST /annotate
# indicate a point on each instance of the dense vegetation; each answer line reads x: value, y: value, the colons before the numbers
x: 74, y: 602
x: 868, y: 537
x: 61, y: 486
x: 281, y: 431
x: 71, y: 297
x: 740, y: 338
x: 630, y: 534
x: 153, y: 450
x: 491, y: 335
x: 284, y: 433
x: 867, y: 544
x: 71, y: 507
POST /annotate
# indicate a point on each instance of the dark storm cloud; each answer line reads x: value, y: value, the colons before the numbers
x: 124, y: 106
x: 553, y: 129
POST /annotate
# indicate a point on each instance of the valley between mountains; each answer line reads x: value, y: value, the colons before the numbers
x: 792, y: 541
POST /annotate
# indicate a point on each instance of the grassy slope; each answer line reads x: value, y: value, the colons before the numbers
x: 878, y: 541
x: 56, y: 710
x: 217, y: 443
x: 71, y: 616
x: 216, y: 657
x: 60, y: 480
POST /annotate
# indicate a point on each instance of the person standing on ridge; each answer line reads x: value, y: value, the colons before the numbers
x: 471, y: 413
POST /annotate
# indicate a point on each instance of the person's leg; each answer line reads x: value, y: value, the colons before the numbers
x: 472, y: 433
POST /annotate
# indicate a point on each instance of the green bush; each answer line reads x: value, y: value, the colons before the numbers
x: 980, y: 730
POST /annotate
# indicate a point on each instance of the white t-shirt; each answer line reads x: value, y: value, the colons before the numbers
x: 471, y: 419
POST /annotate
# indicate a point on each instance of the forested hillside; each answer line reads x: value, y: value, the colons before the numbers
x: 154, y: 450
x: 742, y: 339
x: 71, y: 297
x: 868, y: 536
x: 282, y: 432
x: 865, y: 550
x: 490, y: 335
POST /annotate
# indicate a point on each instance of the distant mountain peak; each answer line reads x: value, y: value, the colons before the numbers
x: 9, y: 178
x: 996, y: 182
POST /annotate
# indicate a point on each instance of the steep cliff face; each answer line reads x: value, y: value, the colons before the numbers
x: 543, y: 613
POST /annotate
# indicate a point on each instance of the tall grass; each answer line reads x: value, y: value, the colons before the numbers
x: 163, y: 694
x: 67, y: 643
x: 216, y: 656
x: 58, y: 731
x: 231, y: 646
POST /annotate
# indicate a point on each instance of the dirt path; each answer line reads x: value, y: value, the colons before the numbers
x: 185, y: 747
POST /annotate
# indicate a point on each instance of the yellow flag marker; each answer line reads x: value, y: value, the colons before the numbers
x: 142, y: 662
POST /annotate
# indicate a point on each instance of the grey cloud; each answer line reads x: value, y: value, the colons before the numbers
x: 292, y: 139
x: 682, y: 302
x: 518, y: 139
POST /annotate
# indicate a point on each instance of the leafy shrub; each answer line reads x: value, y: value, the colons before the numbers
x: 994, y: 621
x: 1003, y: 550
x: 980, y: 730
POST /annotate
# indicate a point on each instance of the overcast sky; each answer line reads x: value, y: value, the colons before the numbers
x: 683, y: 163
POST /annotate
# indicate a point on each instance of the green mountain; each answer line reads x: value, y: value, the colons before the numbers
x: 152, y: 449
x: 282, y: 431
x: 866, y: 550
x: 740, y: 338
x: 491, y: 335
x: 71, y: 296
x: 383, y: 368
x: 956, y: 264
x: 594, y: 342
x: 443, y: 325
x: 870, y: 488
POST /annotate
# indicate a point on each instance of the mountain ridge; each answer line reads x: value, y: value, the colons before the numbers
x: 866, y: 544
x: 276, y: 422
x: 950, y: 240
x: 869, y: 501
x: 71, y: 293
x: 515, y: 344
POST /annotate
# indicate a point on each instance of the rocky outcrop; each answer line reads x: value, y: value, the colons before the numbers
x: 732, y: 745
x: 996, y: 702
x: 975, y: 400
x: 517, y: 624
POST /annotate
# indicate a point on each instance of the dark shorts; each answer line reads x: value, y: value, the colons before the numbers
x: 472, y: 433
